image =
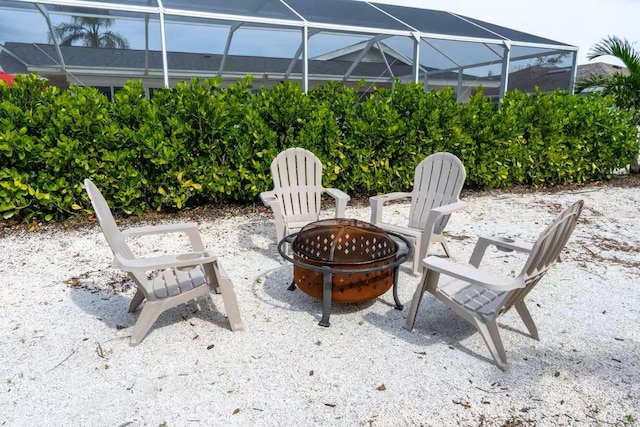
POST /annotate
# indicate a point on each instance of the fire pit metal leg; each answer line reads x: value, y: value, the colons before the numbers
x: 326, y: 299
x: 396, y: 272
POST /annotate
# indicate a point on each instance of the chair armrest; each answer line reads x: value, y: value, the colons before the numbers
x: 471, y: 274
x: 268, y: 197
x: 341, y: 199
x: 506, y: 244
x: 501, y: 243
x: 164, y: 261
x: 390, y: 196
x: 450, y: 208
x: 377, y: 202
x: 337, y: 194
x: 160, y: 229
x: 189, y: 228
x: 436, y: 213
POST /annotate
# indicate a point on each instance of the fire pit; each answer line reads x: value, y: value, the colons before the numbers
x: 345, y: 260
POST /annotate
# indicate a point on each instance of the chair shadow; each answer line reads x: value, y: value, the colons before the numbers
x: 111, y: 307
x: 435, y: 325
x: 253, y: 234
x: 522, y: 331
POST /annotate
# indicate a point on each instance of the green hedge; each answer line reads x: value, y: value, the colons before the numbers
x: 200, y: 143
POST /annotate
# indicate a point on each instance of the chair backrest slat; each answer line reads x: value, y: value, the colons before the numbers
x: 438, y: 181
x: 547, y: 248
x: 111, y: 232
x: 545, y: 252
x: 297, y: 181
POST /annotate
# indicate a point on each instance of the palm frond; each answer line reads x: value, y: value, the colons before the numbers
x: 72, y: 38
x: 113, y: 40
x: 88, y: 31
x: 590, y: 82
x: 624, y: 89
x: 87, y: 21
x: 618, y: 48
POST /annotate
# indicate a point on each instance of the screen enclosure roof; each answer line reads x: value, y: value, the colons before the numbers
x: 448, y: 41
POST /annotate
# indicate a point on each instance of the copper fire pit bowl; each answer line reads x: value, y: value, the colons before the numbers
x: 344, y: 244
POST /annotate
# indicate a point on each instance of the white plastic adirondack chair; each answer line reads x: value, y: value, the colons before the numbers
x: 180, y: 278
x: 481, y: 297
x: 297, y: 189
x: 436, y: 191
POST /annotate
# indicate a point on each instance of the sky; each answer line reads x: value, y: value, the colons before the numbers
x: 581, y: 23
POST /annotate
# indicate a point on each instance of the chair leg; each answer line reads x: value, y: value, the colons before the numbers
x: 230, y: 304
x: 523, y: 311
x: 148, y: 316
x: 136, y: 301
x: 220, y: 283
x: 429, y: 280
x: 491, y: 336
x: 445, y: 246
x: 420, y: 250
x: 439, y: 238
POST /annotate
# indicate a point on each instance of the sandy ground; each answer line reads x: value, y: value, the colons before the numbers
x: 66, y: 360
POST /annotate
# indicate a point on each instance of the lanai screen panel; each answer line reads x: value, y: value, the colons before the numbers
x: 260, y: 9
x: 450, y: 40
x: 514, y: 35
x: 149, y: 3
x: 358, y: 16
x: 264, y: 28
x: 524, y: 52
x: 111, y: 5
x: 13, y: 5
x: 447, y: 54
x: 437, y: 22
x: 247, y: 40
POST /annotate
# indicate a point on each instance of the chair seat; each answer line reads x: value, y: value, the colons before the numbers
x: 412, y: 233
x: 173, y: 282
x: 296, y: 226
x: 472, y: 297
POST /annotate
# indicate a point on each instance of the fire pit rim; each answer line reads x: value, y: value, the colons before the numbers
x: 341, y: 228
x: 401, y: 256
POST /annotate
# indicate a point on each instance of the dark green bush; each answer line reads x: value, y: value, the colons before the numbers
x: 200, y: 143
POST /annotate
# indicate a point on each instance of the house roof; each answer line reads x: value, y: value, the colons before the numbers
x: 12, y: 65
x: 545, y: 78
x: 600, y: 69
x: 548, y: 79
x: 39, y: 57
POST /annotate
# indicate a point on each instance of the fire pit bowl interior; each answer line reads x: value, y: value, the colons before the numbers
x: 344, y: 244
